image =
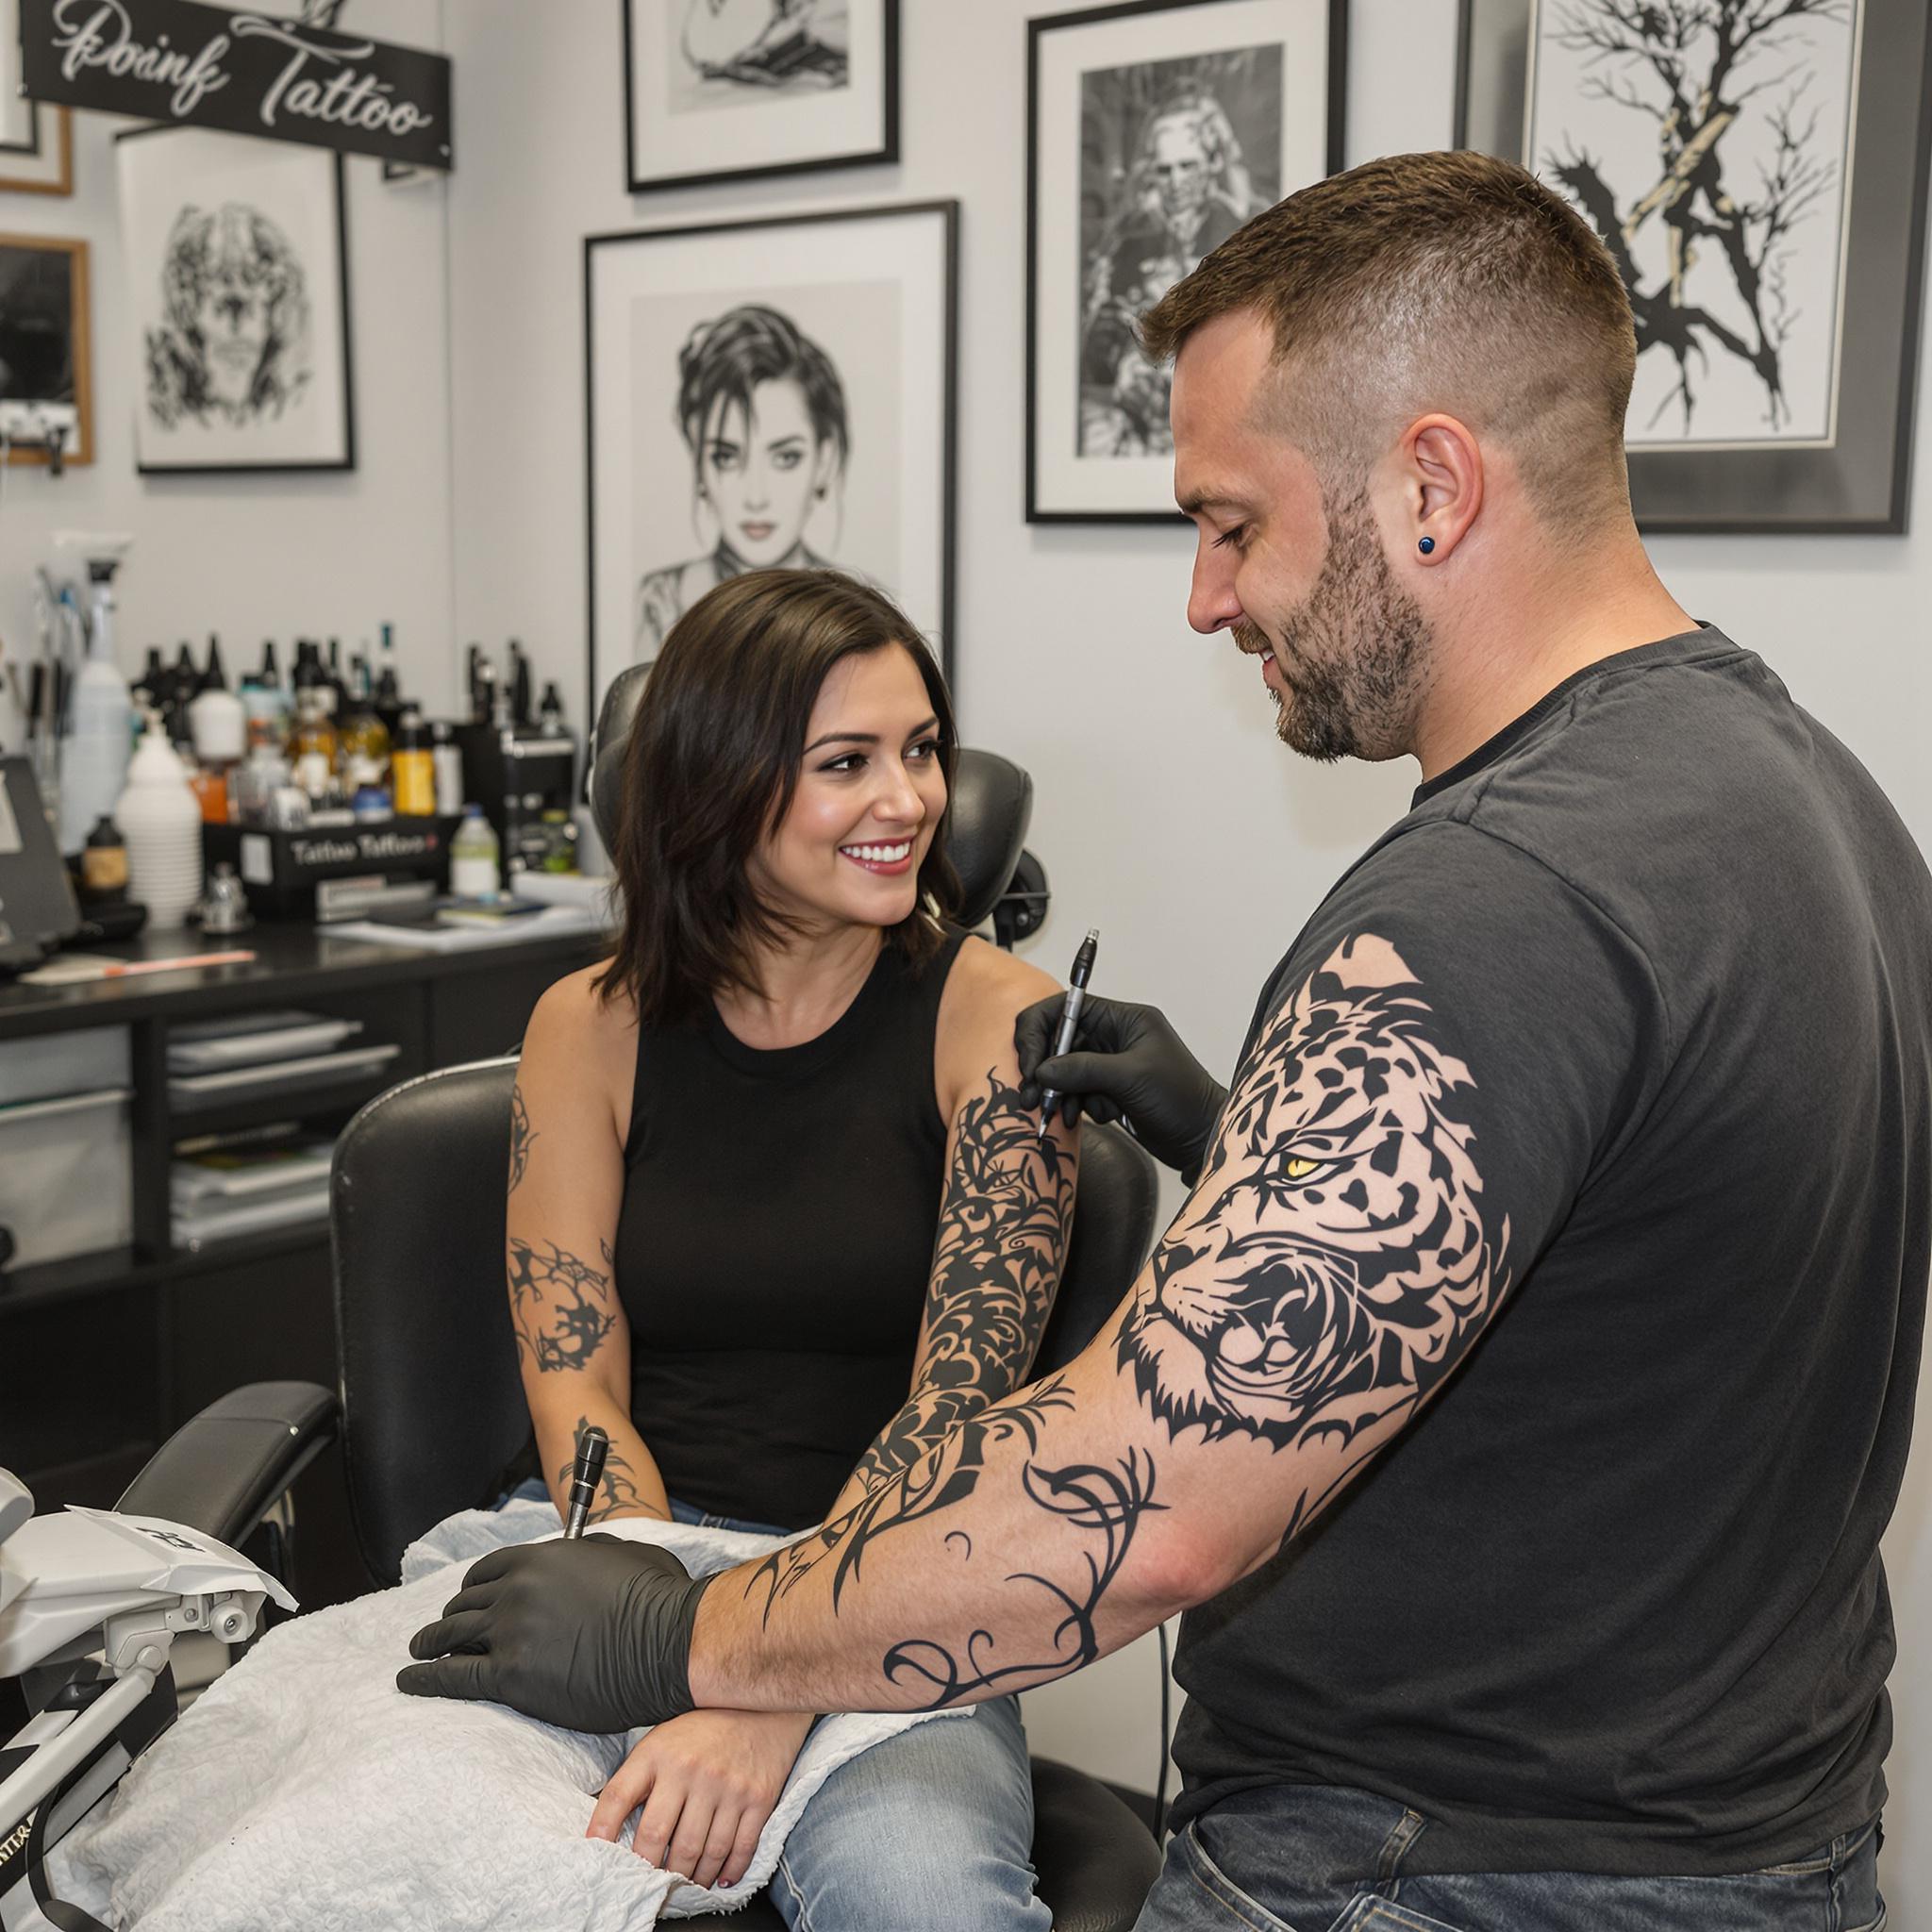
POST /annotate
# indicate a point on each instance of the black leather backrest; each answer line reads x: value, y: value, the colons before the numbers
x: 992, y: 807
x: 992, y: 801
x: 604, y: 784
x: 432, y: 1403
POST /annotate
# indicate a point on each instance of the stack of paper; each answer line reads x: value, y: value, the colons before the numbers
x: 229, y: 1190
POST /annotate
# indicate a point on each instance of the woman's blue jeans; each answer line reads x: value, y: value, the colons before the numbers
x: 1324, y: 1858
x: 933, y: 1828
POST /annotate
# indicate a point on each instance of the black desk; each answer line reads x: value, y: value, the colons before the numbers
x: 103, y: 1354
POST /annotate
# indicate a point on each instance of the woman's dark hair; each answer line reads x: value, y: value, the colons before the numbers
x: 727, y: 359
x: 710, y: 768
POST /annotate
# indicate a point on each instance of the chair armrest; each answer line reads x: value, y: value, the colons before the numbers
x: 222, y: 1472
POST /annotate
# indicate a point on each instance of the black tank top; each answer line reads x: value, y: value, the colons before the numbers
x: 774, y: 1245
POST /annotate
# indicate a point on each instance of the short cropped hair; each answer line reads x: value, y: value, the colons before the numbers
x: 1446, y: 281
x: 710, y: 768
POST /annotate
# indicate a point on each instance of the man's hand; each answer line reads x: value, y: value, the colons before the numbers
x: 593, y: 1634
x: 706, y: 1781
x: 1126, y: 1060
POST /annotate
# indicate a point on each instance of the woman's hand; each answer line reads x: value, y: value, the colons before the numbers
x: 706, y: 1781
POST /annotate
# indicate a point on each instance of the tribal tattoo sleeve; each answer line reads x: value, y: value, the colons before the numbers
x: 559, y: 1304
x: 1003, y: 1223
x: 619, y: 1492
x: 1324, y: 1277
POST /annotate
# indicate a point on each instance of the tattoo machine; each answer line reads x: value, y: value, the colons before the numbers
x: 586, y: 1473
x: 1070, y: 1020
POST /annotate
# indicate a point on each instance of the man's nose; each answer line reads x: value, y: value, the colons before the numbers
x: 1211, y: 602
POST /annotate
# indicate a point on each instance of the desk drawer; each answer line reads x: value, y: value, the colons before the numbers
x: 66, y: 1178
x: 84, y: 1061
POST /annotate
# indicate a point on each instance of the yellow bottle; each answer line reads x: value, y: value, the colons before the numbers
x: 412, y: 767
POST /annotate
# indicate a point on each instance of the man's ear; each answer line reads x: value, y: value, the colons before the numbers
x: 1441, y: 465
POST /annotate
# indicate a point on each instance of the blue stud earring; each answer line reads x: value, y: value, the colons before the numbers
x: 1427, y: 544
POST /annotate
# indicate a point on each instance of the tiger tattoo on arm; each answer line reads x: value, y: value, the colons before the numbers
x: 1332, y: 1265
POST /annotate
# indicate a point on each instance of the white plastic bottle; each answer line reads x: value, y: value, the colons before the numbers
x: 93, y: 758
x: 161, y: 823
x: 473, y: 858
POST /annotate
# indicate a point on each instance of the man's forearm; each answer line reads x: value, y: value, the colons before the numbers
x: 1035, y: 1539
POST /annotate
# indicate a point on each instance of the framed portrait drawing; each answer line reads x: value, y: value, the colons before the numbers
x: 769, y: 395
x: 1760, y: 176
x: 237, y: 284
x: 1155, y: 129
x: 35, y: 140
x: 45, y: 375
x: 719, y: 90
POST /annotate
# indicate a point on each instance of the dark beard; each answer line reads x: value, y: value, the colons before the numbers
x: 1353, y: 650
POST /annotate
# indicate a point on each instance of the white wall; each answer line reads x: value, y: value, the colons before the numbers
x: 1167, y: 812
x: 250, y: 557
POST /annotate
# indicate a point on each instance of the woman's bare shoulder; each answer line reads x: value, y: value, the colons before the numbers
x: 579, y: 1040
x: 986, y: 992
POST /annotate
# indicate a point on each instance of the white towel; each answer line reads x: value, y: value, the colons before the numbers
x: 304, y: 1790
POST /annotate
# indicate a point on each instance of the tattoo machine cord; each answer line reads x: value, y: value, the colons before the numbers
x: 586, y: 1473
x: 1070, y: 1020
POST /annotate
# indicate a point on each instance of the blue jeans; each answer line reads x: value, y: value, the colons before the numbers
x: 1324, y: 1858
x: 933, y: 1828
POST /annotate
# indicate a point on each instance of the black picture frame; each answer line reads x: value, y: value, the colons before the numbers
x: 947, y: 213
x: 328, y: 162
x: 1334, y: 92
x: 885, y: 151
x: 1861, y: 483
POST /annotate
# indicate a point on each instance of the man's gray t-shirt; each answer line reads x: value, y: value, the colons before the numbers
x: 1614, y: 1602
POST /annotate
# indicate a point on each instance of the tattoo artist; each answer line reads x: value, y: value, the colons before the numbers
x: 1612, y: 1055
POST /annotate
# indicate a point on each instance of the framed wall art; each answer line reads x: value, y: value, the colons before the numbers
x: 767, y: 394
x: 1155, y: 129
x: 45, y: 374
x: 1760, y: 174
x: 720, y: 90
x: 36, y: 141
x: 238, y: 284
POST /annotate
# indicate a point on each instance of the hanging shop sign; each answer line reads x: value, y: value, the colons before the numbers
x: 179, y: 62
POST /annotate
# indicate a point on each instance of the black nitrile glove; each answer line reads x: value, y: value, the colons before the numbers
x: 1126, y: 1060
x: 591, y: 1633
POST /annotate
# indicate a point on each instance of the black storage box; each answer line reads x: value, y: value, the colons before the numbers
x: 331, y: 873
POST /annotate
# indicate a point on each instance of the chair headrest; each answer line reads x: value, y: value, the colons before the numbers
x: 992, y: 801
x: 604, y: 784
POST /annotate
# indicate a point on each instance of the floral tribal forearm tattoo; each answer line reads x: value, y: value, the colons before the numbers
x: 1001, y: 1240
x: 559, y: 1304
x: 619, y: 1492
x: 1105, y: 1504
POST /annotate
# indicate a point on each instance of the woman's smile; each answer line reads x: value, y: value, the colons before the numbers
x: 889, y: 859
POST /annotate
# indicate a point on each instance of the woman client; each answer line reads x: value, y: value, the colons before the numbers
x: 777, y: 1218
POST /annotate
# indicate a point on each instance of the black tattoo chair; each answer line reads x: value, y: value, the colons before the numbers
x: 430, y: 1406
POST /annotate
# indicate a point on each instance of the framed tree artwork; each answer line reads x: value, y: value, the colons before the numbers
x: 45, y: 375
x: 1758, y: 170
x: 768, y: 395
x: 722, y: 90
x: 1156, y: 128
x: 236, y: 257
x: 35, y: 140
